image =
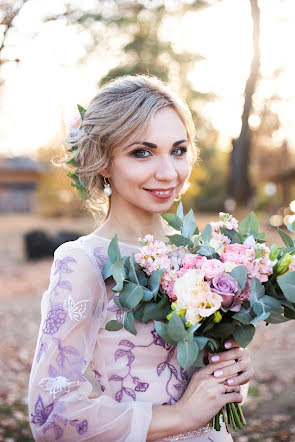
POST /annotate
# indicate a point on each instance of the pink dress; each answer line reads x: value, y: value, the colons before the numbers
x: 88, y: 383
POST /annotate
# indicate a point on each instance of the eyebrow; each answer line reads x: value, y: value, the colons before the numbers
x: 154, y: 146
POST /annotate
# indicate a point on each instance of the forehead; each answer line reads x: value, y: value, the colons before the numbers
x: 167, y: 125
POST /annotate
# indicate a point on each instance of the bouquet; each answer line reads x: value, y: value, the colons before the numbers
x: 202, y: 289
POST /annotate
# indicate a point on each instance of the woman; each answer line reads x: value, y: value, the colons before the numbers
x: 137, y: 140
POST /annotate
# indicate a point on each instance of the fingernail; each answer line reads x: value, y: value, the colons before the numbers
x: 218, y: 373
x: 215, y: 358
x: 230, y: 381
x: 227, y: 344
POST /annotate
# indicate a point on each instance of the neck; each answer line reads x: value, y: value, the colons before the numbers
x: 131, y: 223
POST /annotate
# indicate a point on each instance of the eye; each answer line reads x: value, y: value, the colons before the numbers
x: 179, y: 151
x: 141, y: 153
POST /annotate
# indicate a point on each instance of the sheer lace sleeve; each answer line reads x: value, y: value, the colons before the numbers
x: 73, y: 309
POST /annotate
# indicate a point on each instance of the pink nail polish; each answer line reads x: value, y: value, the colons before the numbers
x: 227, y: 344
x: 230, y: 381
x: 215, y: 358
x: 218, y: 373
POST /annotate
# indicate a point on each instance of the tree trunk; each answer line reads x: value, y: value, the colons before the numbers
x: 239, y: 184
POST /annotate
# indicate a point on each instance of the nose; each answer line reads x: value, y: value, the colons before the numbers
x: 165, y: 170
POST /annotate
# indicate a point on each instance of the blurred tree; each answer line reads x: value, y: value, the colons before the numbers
x: 239, y: 184
x: 8, y: 11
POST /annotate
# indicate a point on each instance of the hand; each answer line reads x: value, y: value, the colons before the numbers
x: 206, y: 394
x: 243, y: 364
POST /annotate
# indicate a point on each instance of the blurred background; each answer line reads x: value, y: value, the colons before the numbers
x: 233, y: 63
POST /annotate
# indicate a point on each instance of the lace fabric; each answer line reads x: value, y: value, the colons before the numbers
x: 130, y: 373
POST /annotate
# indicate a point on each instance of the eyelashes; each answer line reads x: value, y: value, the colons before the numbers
x: 145, y: 153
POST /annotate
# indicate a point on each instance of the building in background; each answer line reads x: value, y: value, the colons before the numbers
x: 19, y: 178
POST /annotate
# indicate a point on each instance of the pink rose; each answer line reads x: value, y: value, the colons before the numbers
x: 212, y: 268
x: 235, y: 253
x: 191, y: 261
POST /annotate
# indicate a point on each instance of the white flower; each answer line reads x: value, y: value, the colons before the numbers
x: 229, y: 266
x: 58, y: 385
x: 185, y: 286
x: 217, y: 245
x: 250, y: 241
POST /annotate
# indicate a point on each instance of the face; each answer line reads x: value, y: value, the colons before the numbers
x: 150, y: 172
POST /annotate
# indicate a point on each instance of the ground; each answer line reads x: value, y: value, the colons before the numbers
x: 270, y: 407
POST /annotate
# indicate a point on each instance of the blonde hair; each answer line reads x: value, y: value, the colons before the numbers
x: 122, y: 110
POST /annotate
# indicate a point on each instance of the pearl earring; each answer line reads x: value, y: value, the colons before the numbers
x: 107, y: 188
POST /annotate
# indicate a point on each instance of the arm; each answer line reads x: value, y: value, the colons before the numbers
x: 73, y: 310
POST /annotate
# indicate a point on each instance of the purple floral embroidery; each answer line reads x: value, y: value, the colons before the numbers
x: 57, y: 420
x: 180, y: 380
x: 43, y: 348
x: 100, y: 257
x: 69, y: 361
x: 98, y: 377
x: 56, y: 316
x: 115, y: 308
x: 41, y: 412
x: 82, y: 427
x: 61, y: 266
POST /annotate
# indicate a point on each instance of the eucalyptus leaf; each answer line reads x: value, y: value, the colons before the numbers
x: 234, y: 236
x: 131, y: 295
x: 179, y: 211
x: 119, y: 274
x: 180, y: 240
x: 187, y: 353
x: 287, y: 240
x: 139, y: 312
x: 147, y: 294
x: 201, y: 341
x: 262, y: 317
x: 132, y: 272
x: 257, y: 291
x: 275, y: 318
x: 250, y: 224
x: 113, y: 325
x: 154, y: 281
x: 113, y: 250
x: 244, y: 334
x: 189, y: 224
x: 173, y: 220
x: 244, y: 315
x: 156, y: 311
x: 161, y: 329
x: 206, y: 251
x: 142, y: 279
x: 224, y: 330
x: 129, y: 323
x: 199, y: 361
x: 289, y: 313
x: 274, y: 251
x: 207, y: 233
x: 81, y: 111
x: 287, y: 285
x: 176, y: 328
x: 107, y: 269
x: 239, y: 273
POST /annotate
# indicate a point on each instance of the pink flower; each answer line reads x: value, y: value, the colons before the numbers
x: 167, y: 283
x: 236, y: 253
x: 212, y: 268
x: 292, y: 265
x: 191, y: 261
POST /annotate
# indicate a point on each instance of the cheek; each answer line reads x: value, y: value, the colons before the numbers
x: 183, y: 171
x: 126, y: 172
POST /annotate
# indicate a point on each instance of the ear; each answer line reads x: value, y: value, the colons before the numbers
x: 105, y: 174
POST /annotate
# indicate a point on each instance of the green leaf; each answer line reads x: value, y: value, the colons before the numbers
x: 287, y: 240
x: 289, y: 313
x: 154, y: 281
x: 234, y: 236
x: 131, y: 295
x: 240, y: 274
x: 291, y: 226
x: 180, y: 240
x: 129, y: 323
x: 82, y: 194
x: 81, y: 111
x: 287, y: 285
x: 206, y: 235
x: 107, y: 269
x: 72, y: 162
x: 261, y: 317
x: 113, y: 250
x: 274, y: 251
x: 187, y: 353
x: 113, y: 325
x: 176, y: 328
x: 250, y: 224
x: 173, y: 220
x: 142, y: 279
x: 275, y: 318
x: 161, y: 329
x: 206, y: 251
x: 257, y: 291
x: 244, y: 315
x: 179, y: 211
x: 244, y: 334
x: 271, y: 304
x: 189, y: 224
x: 157, y: 310
x: 191, y: 331
x: 132, y: 272
x: 119, y: 274
x: 224, y: 330
x: 138, y: 313
x: 147, y: 294
x: 201, y: 341
x: 199, y: 361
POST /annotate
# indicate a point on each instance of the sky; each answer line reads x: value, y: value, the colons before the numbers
x: 40, y: 93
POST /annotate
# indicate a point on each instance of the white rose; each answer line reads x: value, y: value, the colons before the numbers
x: 229, y: 266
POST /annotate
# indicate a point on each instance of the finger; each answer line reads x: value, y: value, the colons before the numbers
x: 231, y: 343
x: 241, y: 379
x: 229, y: 389
x: 210, y: 368
x: 232, y: 397
x: 231, y: 370
x: 235, y: 353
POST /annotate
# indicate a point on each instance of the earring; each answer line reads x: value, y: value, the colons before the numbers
x: 107, y: 188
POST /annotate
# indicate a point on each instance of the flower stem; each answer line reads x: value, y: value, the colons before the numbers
x: 232, y: 418
x: 236, y: 416
x: 243, y: 420
x: 225, y: 418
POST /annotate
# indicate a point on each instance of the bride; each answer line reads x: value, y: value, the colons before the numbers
x: 136, y: 149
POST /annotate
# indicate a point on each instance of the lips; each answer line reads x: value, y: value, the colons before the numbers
x: 161, y: 193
